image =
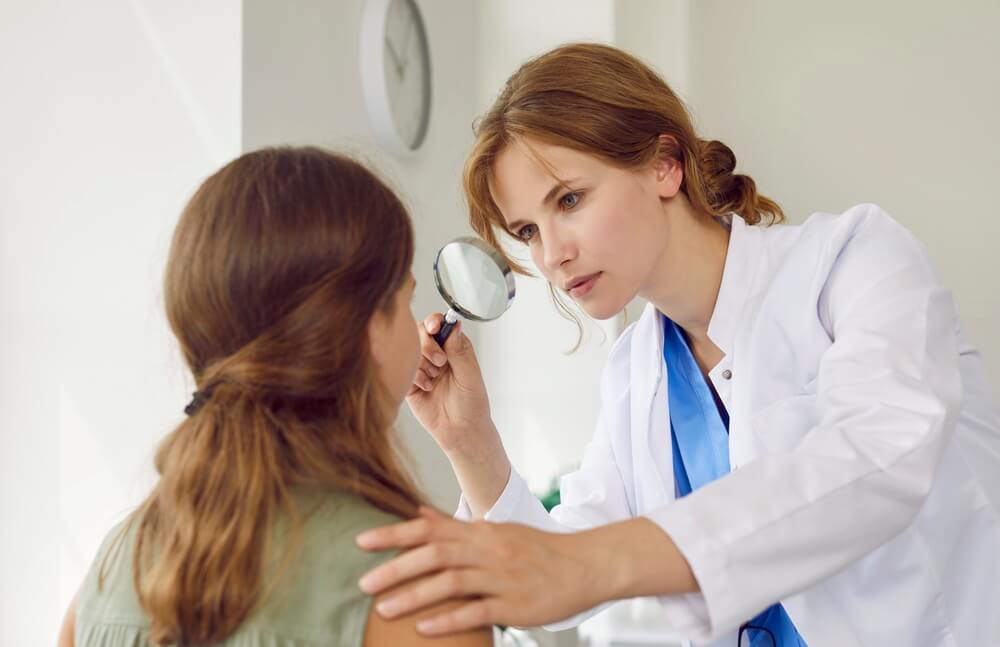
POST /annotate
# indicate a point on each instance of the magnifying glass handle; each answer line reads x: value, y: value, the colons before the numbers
x: 442, y: 335
x: 450, y: 319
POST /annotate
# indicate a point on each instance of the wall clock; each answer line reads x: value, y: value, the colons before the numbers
x: 396, y: 73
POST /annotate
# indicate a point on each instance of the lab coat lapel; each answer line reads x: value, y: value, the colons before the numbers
x: 649, y: 413
x: 729, y: 329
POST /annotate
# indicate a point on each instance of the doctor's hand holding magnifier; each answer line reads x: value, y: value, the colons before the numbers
x: 448, y: 396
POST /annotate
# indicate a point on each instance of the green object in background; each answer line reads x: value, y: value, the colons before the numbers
x: 551, y: 498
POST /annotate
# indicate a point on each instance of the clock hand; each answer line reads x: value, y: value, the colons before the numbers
x: 406, y: 41
x: 394, y: 55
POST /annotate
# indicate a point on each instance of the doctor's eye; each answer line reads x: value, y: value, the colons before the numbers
x: 526, y: 233
x: 570, y: 200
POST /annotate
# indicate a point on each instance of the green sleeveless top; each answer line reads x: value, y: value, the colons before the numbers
x: 316, y: 602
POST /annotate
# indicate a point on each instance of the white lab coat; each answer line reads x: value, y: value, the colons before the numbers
x: 865, y: 448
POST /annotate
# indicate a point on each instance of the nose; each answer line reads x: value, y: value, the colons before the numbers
x: 558, y: 247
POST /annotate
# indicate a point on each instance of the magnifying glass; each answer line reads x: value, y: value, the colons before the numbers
x: 474, y: 280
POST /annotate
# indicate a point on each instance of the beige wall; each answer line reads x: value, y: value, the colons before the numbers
x: 828, y: 104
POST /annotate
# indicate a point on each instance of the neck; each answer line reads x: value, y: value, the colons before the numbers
x: 685, y: 282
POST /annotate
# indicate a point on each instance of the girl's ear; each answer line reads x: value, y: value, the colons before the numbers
x: 378, y: 336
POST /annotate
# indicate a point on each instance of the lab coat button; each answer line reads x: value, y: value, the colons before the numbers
x: 727, y: 374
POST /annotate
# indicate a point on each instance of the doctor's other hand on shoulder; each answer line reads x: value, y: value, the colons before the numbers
x: 512, y: 574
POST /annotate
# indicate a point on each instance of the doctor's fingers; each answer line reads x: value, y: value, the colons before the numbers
x: 429, y: 526
x: 421, y: 561
x: 427, y: 375
x: 421, y: 382
x: 429, y: 348
x: 476, y: 613
x: 430, y: 368
x: 440, y: 587
x: 432, y: 322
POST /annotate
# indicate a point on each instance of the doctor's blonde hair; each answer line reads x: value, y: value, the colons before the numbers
x: 604, y: 102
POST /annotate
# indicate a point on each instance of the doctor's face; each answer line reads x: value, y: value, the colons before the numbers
x: 594, y: 230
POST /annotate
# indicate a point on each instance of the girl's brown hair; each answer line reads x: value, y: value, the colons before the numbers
x: 604, y: 102
x: 277, y: 265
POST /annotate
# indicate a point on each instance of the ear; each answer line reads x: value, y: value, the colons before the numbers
x: 378, y: 337
x: 668, y: 172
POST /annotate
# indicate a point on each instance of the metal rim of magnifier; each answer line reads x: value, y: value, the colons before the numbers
x: 508, y: 276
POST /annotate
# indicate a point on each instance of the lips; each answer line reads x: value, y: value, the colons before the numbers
x: 581, y: 285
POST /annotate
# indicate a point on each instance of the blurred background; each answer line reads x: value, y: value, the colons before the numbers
x: 112, y: 112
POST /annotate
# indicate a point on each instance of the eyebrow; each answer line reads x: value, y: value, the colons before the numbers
x: 549, y: 197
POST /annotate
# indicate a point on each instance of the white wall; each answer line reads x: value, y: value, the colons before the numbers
x: 121, y: 112
x: 657, y: 32
x: 112, y: 114
x: 828, y: 104
x: 543, y: 400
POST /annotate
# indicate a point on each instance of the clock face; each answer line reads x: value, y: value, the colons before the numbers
x: 406, y: 71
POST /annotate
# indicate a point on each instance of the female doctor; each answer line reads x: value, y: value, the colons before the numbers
x: 797, y: 445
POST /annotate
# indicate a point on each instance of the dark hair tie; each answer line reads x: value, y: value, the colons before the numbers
x: 198, y: 399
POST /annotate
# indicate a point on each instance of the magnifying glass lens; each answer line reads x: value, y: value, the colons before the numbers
x: 474, y: 280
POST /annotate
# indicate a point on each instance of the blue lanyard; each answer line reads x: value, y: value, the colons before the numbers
x: 699, y: 432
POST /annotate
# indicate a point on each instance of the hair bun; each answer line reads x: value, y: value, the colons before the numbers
x: 716, y: 158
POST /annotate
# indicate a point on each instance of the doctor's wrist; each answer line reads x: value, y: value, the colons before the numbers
x: 483, y: 471
x: 479, y: 445
x: 636, y: 558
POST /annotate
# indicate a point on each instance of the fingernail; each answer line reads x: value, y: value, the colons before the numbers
x: 388, y: 607
x: 365, y: 539
x: 439, y: 359
x: 426, y: 626
x: 367, y: 584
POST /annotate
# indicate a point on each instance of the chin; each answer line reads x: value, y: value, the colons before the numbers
x: 602, y: 310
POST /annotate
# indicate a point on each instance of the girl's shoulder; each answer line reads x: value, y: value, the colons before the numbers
x: 314, y: 597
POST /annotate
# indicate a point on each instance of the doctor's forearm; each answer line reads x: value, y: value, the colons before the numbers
x: 482, y: 471
x: 636, y: 559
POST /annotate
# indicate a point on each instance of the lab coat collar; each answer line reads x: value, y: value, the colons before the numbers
x: 737, y: 279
